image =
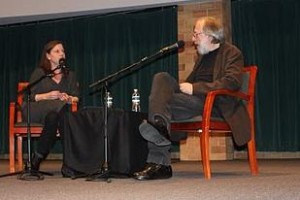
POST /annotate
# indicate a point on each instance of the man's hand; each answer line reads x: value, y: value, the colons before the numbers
x: 186, y: 88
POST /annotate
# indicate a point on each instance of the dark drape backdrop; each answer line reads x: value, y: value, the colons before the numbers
x: 96, y: 46
x: 268, y: 33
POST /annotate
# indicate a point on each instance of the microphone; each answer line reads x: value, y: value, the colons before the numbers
x: 174, y: 46
x: 62, y: 63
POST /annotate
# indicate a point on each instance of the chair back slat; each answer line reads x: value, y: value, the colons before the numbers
x: 248, y: 85
x: 245, y: 85
x: 21, y: 87
x: 249, y: 80
x: 252, y: 71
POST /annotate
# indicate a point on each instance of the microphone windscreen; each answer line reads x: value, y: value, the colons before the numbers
x: 180, y: 44
x: 62, y: 61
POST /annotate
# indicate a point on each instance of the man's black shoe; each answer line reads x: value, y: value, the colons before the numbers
x: 154, y: 171
x: 161, y: 127
x: 152, y: 133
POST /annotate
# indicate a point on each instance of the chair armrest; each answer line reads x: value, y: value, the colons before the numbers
x: 209, y: 102
x: 233, y: 93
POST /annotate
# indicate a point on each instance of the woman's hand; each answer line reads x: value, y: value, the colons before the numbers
x: 64, y: 97
x: 55, y: 94
x: 68, y: 98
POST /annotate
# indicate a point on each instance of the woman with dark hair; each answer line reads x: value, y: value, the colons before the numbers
x: 50, y: 98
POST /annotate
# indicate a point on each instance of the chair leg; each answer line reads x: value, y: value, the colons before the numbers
x: 11, y: 153
x: 20, y: 152
x: 204, y: 147
x: 252, y: 157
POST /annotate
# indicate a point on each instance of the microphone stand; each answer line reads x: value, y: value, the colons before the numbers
x: 104, y: 173
x: 28, y: 173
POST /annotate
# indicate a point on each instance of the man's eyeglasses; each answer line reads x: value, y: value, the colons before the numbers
x: 195, y: 34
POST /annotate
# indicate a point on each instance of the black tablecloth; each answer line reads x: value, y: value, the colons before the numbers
x: 84, y: 141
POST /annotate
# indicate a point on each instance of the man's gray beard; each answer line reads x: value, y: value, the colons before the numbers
x: 202, y: 50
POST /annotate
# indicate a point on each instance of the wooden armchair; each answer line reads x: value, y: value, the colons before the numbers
x: 205, y: 124
x: 18, y: 129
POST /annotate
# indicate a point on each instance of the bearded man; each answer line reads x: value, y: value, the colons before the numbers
x: 219, y: 66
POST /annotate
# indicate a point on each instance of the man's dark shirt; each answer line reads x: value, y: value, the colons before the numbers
x: 204, y: 71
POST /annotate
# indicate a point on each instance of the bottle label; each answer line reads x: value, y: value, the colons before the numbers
x: 135, y: 101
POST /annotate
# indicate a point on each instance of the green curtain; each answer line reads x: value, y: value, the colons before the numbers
x: 96, y: 46
x: 268, y: 33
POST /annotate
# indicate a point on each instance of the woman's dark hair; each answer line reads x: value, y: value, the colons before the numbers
x: 45, y: 62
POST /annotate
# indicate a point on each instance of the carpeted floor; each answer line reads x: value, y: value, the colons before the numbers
x: 278, y: 179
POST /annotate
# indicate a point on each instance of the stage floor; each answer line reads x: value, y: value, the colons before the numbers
x: 278, y: 179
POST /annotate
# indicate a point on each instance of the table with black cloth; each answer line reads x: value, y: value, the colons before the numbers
x: 84, y: 141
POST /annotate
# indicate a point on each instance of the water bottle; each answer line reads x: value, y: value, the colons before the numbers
x: 108, y: 100
x: 136, y: 107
